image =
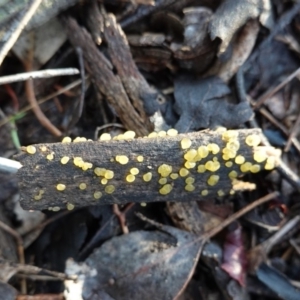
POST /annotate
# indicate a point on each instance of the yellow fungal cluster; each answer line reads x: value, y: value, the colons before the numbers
x: 82, y: 186
x: 70, y: 206
x: 64, y: 160
x: 39, y: 195
x: 165, y: 170
x: 172, y: 132
x: 166, y: 189
x: 185, y: 143
x: 79, y: 162
x: 122, y: 159
x: 97, y: 195
x: 79, y: 139
x: 50, y: 156
x: 105, y: 137
x: 66, y: 139
x: 140, y: 158
x: 31, y: 149
x: 61, y: 187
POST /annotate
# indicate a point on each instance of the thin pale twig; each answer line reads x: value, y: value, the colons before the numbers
x: 38, y: 74
x: 293, y: 133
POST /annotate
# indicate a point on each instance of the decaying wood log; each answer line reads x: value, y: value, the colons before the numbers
x: 168, y: 167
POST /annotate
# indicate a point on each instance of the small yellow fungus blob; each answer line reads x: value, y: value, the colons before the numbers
x: 56, y: 208
x: 225, y: 157
x: 212, y: 166
x: 147, y: 177
x: 66, y: 139
x: 174, y: 176
x: 221, y: 193
x: 204, y: 192
x: 130, y: 178
x: 64, y: 160
x: 82, y: 186
x: 233, y: 145
x: 260, y: 156
x: 105, y: 137
x: 109, y: 189
x: 203, y: 151
x: 79, y: 139
x: 50, y: 156
x: 143, y: 204
x: 43, y: 148
x: 185, y: 143
x: 134, y: 171
x: 233, y: 174
x: 85, y: 166
x: 239, y: 159
x: 104, y: 181
x: 183, y: 172
x: 246, y: 167
x: 162, y: 133
x: 140, y: 158
x: 214, y: 148
x: 228, y: 164
x: 190, y: 180
x: 77, y: 160
x: 60, y: 187
x: 122, y: 159
x: 109, y: 174
x: 189, y: 187
x: 271, y: 163
x: 70, y: 206
x: 190, y: 155
x: 221, y: 129
x: 213, y: 180
x: 30, y: 149
x: 165, y: 170
x: 162, y: 180
x: 37, y: 197
x: 230, y: 135
x: 232, y: 192
x: 97, y: 195
x: 190, y: 165
x: 99, y: 171
x: 253, y: 140
x: 201, y: 169
x: 172, y: 132
x: 255, y: 168
x: 129, y: 134
x: 152, y: 135
x: 166, y: 189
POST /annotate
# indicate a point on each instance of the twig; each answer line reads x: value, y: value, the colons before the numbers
x: 32, y: 7
x: 293, y: 133
x: 38, y: 74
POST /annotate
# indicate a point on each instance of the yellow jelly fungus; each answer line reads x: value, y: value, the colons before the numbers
x: 109, y: 189
x: 140, y: 158
x: 228, y: 164
x: 122, y: 159
x: 50, y: 156
x: 37, y: 197
x: 203, y: 151
x: 104, y: 181
x: 77, y: 160
x: 233, y: 174
x: 245, y: 167
x: 213, y: 148
x: 172, y: 132
x: 82, y: 186
x: 190, y: 165
x: 185, y: 143
x: 109, y: 174
x: 79, y: 139
x: 60, y: 187
x: 201, y: 169
x: 213, y: 180
x: 30, y: 149
x: 56, y: 208
x: 255, y: 168
x: 152, y: 135
x: 174, y: 176
x: 97, y: 195
x: 66, y: 139
x: 147, y: 177
x: 190, y: 155
x: 221, y: 193
x: 230, y: 153
x: 85, y: 166
x: 162, y: 133
x: 212, y: 166
x: 229, y: 135
x: 221, y: 129
x: 189, y: 187
x: 143, y: 204
x: 99, y: 171
x: 165, y: 170
x: 41, y: 192
x: 225, y: 157
x: 190, y: 180
x: 183, y: 172
x: 270, y: 163
x: 233, y: 145
x: 260, y: 156
x: 70, y: 206
x: 166, y: 189
x: 204, y: 192
x: 43, y: 148
x: 64, y: 160
x: 105, y: 137
x: 134, y: 171
x: 239, y: 159
x: 232, y: 192
x: 253, y: 140
x: 129, y: 134
x: 130, y: 178
x: 162, y: 180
